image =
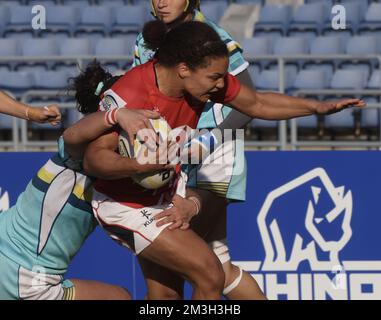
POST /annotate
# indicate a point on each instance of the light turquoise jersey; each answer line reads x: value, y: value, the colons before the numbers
x: 50, y: 221
x: 213, y: 114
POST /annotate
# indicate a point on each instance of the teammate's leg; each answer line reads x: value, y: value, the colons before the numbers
x: 238, y: 283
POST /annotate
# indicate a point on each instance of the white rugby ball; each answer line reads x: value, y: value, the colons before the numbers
x: 149, y: 180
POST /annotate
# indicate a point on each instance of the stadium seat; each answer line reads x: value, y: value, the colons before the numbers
x: 75, y: 47
x: 109, y: 47
x: 95, y: 20
x: 16, y: 81
x: 274, y: 18
x: 348, y: 79
x: 257, y: 46
x: 50, y: 80
x: 129, y: 19
x: 291, y: 46
x: 370, y: 117
x: 311, y: 79
x: 308, y: 17
x: 348, y: 119
x: 375, y: 80
x: 76, y: 3
x: 269, y: 80
x: 314, y: 79
x: 213, y: 10
x: 327, y: 45
x: 61, y: 20
x: 361, y: 45
x: 20, y: 21
x: 9, y: 48
x: 353, y: 16
x: 112, y: 3
x: 372, y: 20
x: 38, y: 48
x: 4, y: 18
x: 42, y: 2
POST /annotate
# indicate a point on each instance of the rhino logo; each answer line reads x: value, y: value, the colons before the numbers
x: 4, y: 201
x: 321, y: 216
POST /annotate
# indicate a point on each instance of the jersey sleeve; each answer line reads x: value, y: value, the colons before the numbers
x: 137, y: 53
x: 237, y: 62
x: 141, y: 53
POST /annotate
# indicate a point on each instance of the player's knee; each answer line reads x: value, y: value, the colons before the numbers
x: 233, y: 277
x: 211, y: 275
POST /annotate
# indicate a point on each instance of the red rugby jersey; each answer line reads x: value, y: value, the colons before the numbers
x: 137, y: 89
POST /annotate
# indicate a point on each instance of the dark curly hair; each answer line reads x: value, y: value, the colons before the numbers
x: 86, y: 83
x: 193, y: 43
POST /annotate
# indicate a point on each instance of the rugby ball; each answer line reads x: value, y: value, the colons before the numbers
x: 150, y: 180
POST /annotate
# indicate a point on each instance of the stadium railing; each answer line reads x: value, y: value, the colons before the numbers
x: 281, y: 143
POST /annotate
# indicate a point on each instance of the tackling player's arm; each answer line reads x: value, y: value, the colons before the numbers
x: 79, y: 135
x: 277, y: 106
x: 17, y: 109
x: 102, y: 161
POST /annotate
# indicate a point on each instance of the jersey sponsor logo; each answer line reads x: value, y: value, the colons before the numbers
x: 109, y: 103
x: 304, y: 225
x: 146, y: 214
x: 111, y: 100
x: 4, y: 201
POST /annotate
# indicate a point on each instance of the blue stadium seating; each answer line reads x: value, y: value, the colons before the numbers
x: 50, y: 79
x: 311, y: 79
x: 375, y: 80
x: 19, y: 22
x: 269, y: 80
x: 213, y: 10
x: 4, y: 18
x: 353, y: 16
x: 308, y: 17
x: 129, y: 19
x: 274, y: 18
x: 253, y: 47
x: 349, y: 79
x: 95, y: 20
x: 372, y: 20
x: 61, y: 20
x: 16, y: 81
x: 370, y: 117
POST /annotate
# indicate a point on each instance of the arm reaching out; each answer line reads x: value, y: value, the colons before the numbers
x: 17, y: 109
x: 277, y: 106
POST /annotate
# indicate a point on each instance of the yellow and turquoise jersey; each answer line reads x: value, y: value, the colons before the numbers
x: 213, y: 113
x: 51, y: 219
